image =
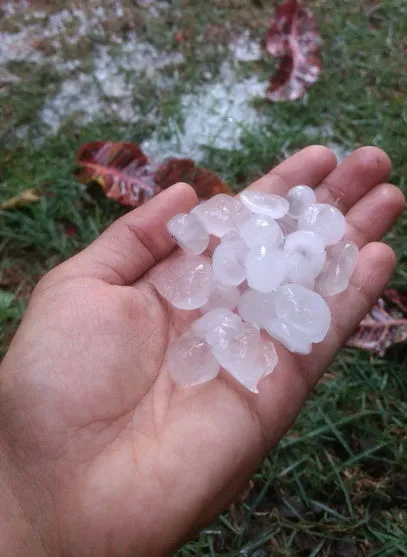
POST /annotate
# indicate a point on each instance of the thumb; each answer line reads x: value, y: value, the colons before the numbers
x: 135, y: 242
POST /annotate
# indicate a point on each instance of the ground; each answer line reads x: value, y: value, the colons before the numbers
x: 188, y: 78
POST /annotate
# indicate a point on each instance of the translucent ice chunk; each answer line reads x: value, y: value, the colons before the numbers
x: 265, y: 268
x: 298, y: 270
x: 190, y: 361
x: 221, y: 214
x: 340, y: 265
x: 256, y: 307
x: 303, y: 309
x: 216, y: 324
x: 189, y: 233
x: 299, y: 197
x: 269, y: 204
x: 186, y: 281
x: 222, y: 297
x: 261, y: 230
x: 269, y: 357
x: 229, y: 261
x: 290, y: 337
x: 240, y: 356
x: 325, y: 220
x: 310, y: 245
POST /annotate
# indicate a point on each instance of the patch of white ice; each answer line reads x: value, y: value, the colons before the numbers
x: 109, y: 88
x: 244, y: 49
x: 215, y: 116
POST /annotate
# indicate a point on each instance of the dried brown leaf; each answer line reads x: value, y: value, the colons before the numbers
x: 205, y: 182
x: 294, y: 37
x: 384, y: 326
x: 26, y: 197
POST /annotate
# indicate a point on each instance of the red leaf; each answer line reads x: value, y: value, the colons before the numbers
x: 293, y: 36
x: 127, y: 175
x: 122, y: 170
x: 384, y: 326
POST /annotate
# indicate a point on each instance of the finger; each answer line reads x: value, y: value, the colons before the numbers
x: 373, y: 272
x: 135, y: 242
x: 364, y: 169
x: 375, y: 214
x: 283, y: 393
x: 309, y: 166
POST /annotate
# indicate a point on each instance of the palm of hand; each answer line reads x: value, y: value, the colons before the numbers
x: 125, y: 456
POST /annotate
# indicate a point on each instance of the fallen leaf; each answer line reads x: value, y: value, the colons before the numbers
x: 397, y: 298
x: 205, y: 182
x: 128, y: 176
x: 122, y: 170
x: 293, y: 36
x: 384, y: 326
x: 26, y: 197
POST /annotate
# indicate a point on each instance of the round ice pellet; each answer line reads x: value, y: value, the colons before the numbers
x: 293, y: 339
x: 239, y: 355
x: 269, y: 357
x: 310, y: 245
x: 265, y: 268
x: 261, y: 230
x: 217, y: 323
x: 269, y: 204
x: 229, y: 262
x: 185, y: 281
x: 189, y: 233
x: 222, y: 297
x: 256, y: 307
x: 303, y: 309
x: 340, y: 265
x: 221, y: 214
x: 325, y: 220
x: 299, y: 197
x: 190, y: 361
x: 298, y: 270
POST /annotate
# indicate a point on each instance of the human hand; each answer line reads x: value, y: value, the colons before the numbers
x: 101, y: 454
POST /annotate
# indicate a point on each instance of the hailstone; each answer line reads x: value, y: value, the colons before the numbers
x: 340, y: 265
x: 299, y: 197
x: 325, y: 220
x: 189, y: 233
x: 269, y: 204
x: 186, y: 281
x: 272, y: 261
x: 190, y: 361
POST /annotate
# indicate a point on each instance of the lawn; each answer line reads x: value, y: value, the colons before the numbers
x: 186, y: 78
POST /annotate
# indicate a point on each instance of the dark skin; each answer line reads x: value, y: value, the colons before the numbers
x: 101, y: 455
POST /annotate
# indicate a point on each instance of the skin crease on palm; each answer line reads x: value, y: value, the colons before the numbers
x: 100, y: 454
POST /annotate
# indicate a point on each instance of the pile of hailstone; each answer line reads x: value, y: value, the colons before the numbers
x: 265, y: 274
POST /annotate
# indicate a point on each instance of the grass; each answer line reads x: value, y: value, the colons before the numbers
x: 336, y: 485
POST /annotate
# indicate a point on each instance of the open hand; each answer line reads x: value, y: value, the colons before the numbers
x: 102, y: 454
